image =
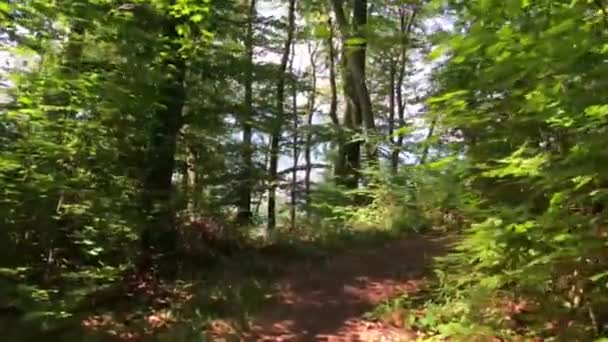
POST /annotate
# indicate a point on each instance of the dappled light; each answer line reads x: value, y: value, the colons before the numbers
x: 328, y: 303
x: 303, y: 170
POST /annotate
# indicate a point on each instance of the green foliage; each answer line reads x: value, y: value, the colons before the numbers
x: 521, y: 92
x: 73, y: 138
x: 131, y: 120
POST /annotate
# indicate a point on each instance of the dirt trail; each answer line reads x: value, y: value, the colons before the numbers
x: 326, y: 303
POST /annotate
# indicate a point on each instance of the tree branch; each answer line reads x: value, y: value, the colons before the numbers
x: 303, y: 168
x: 340, y: 17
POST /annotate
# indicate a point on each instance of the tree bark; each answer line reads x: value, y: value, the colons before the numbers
x: 358, y: 64
x: 191, y: 182
x: 312, y: 52
x: 159, y: 236
x: 391, y: 118
x: 333, y: 105
x: 358, y: 107
x: 244, y: 215
x: 278, y: 122
x: 354, y: 44
x: 350, y: 154
x: 340, y: 167
x: 347, y: 161
x: 260, y: 196
x: 425, y: 152
x: 295, y: 149
x: 405, y: 28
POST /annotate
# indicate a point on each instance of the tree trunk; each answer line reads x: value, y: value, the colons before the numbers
x: 244, y: 203
x: 340, y: 167
x: 333, y: 105
x: 391, y: 119
x: 425, y: 152
x: 278, y: 122
x: 159, y: 236
x: 312, y: 52
x: 295, y: 141
x: 357, y: 61
x: 191, y: 181
x: 260, y: 196
x: 358, y: 107
x: 354, y: 45
x: 405, y: 28
x: 350, y: 154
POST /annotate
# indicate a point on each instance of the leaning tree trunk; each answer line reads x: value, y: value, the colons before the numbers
x: 278, y: 122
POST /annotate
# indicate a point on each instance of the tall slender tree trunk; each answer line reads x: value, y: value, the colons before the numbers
x: 199, y: 185
x: 391, y: 119
x: 405, y: 28
x: 260, y: 197
x: 340, y: 163
x: 278, y: 122
x: 295, y: 141
x: 245, y: 192
x: 333, y: 105
x: 312, y: 52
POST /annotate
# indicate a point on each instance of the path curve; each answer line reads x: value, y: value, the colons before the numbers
x: 327, y: 303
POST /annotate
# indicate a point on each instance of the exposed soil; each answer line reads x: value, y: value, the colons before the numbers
x: 328, y: 302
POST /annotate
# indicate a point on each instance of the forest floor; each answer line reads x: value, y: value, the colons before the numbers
x: 329, y: 302
x: 341, y: 289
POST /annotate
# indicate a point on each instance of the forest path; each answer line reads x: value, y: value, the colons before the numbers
x: 327, y: 302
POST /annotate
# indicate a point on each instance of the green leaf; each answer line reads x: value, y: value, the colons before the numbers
x: 438, y: 52
x: 355, y: 41
x: 519, y: 166
x: 598, y: 277
x: 5, y: 8
x: 26, y: 101
x: 447, y: 96
x: 197, y: 18
x: 597, y: 112
x: 485, y: 5
x: 562, y: 27
x: 562, y: 237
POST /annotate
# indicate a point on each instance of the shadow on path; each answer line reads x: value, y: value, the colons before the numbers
x: 326, y: 303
